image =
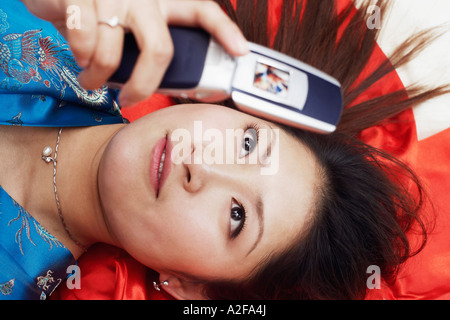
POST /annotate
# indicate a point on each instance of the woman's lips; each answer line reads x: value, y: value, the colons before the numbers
x: 157, y: 179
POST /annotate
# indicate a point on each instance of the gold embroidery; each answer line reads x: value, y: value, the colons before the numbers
x: 43, y: 282
x: 6, y: 288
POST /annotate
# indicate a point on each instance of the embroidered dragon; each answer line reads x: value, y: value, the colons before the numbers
x: 27, y: 57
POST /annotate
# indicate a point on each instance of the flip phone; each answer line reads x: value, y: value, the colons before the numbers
x: 264, y: 83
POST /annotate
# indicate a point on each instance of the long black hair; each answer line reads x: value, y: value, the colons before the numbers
x: 365, y: 203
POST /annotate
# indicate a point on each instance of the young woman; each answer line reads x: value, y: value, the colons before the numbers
x: 210, y: 230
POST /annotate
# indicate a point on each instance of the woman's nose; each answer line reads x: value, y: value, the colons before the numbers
x: 199, y: 174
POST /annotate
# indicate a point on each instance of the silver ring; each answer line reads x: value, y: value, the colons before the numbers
x: 113, y: 22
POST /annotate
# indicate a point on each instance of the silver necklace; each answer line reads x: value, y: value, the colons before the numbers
x: 46, y: 156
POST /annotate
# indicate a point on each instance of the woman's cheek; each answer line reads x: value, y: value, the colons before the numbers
x: 193, y: 230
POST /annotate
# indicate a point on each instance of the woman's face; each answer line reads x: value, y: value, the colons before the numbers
x: 225, y: 200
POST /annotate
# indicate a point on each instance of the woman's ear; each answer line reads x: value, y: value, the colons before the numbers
x: 182, y: 289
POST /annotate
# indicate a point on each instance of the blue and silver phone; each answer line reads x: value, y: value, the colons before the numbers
x: 264, y: 83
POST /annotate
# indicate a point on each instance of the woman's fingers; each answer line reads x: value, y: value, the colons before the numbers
x: 209, y: 16
x: 82, y: 37
x: 105, y: 56
x: 156, y: 50
x: 98, y: 47
x: 51, y: 10
x: 149, y: 26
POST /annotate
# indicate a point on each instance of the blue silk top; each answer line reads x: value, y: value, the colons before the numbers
x: 39, y: 87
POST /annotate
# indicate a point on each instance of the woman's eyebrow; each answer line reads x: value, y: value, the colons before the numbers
x: 260, y: 214
x: 269, y: 144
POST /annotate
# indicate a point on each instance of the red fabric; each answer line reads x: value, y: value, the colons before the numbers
x: 427, y: 275
x: 110, y: 273
x: 155, y: 102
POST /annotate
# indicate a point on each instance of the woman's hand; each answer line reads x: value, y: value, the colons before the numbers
x: 97, y: 47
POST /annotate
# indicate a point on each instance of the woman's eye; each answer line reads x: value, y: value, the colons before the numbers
x: 237, y: 219
x: 249, y: 142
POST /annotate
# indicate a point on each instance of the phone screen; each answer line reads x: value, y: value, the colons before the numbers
x: 271, y: 79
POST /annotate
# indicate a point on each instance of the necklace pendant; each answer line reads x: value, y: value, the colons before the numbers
x: 46, y: 154
x: 47, y: 151
x: 47, y: 159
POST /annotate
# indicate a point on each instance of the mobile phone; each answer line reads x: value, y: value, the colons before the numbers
x: 264, y: 83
